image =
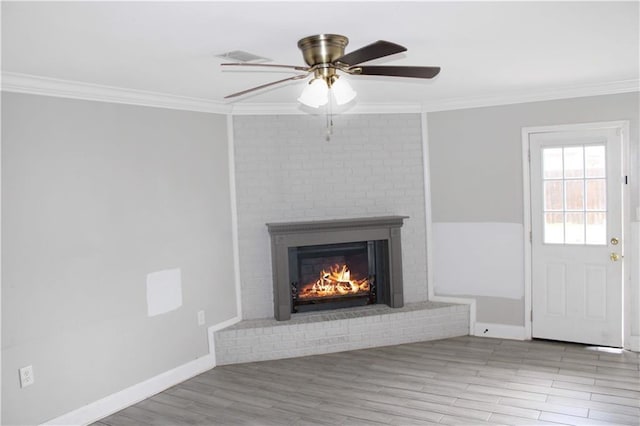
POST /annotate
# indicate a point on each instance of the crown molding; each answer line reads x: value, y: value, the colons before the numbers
x: 45, y: 86
x: 296, y: 108
x: 519, y: 97
x: 31, y: 84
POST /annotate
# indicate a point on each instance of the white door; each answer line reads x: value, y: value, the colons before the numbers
x: 577, y: 247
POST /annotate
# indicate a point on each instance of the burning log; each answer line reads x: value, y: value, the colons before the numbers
x: 335, y: 282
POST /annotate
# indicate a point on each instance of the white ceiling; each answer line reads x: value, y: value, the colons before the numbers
x: 484, y: 48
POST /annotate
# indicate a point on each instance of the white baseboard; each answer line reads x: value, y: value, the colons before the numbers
x: 138, y: 392
x: 485, y: 329
x: 134, y: 394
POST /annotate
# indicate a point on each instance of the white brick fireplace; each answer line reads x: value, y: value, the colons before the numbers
x: 286, y: 171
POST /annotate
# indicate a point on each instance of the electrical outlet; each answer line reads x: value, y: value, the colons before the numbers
x: 26, y: 376
x: 200, y: 317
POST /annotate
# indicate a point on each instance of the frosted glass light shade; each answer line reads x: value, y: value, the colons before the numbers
x: 315, y: 94
x: 342, y: 92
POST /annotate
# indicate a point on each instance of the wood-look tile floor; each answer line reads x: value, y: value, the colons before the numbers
x: 464, y: 380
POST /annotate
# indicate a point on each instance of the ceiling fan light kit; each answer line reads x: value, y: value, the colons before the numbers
x: 342, y: 91
x: 324, y: 55
x: 316, y: 93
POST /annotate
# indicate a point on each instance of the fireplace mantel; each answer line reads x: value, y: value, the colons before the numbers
x: 299, y: 234
x: 336, y: 224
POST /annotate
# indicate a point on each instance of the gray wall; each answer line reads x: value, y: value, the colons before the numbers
x: 94, y: 197
x: 476, y: 154
x: 476, y: 172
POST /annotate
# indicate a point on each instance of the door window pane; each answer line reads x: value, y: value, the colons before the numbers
x: 575, y: 194
x: 573, y: 162
x: 596, y: 194
x: 554, y: 228
x: 552, y: 163
x: 596, y: 228
x: 574, y: 228
x: 553, y: 195
x: 594, y: 161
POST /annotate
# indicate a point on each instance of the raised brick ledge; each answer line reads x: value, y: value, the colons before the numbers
x: 349, y: 329
x: 340, y: 314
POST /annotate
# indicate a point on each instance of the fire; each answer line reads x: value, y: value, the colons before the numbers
x: 335, y: 282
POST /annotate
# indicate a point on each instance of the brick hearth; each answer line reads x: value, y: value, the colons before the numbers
x: 342, y: 330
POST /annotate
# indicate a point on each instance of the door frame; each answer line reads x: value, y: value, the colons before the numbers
x: 623, y: 126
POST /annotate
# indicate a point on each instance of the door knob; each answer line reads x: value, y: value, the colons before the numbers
x: 614, y: 241
x: 615, y: 257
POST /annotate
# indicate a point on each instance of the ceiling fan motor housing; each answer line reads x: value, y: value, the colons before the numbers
x: 323, y: 48
x: 321, y: 51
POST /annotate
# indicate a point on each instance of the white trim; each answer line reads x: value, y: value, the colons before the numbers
x: 267, y: 109
x: 1, y: 210
x: 577, y: 126
x: 629, y: 242
x: 632, y: 250
x: 297, y: 109
x: 234, y: 214
x: 387, y: 108
x: 134, y: 394
x: 519, y: 97
x: 45, y: 86
x: 623, y: 125
x: 526, y: 237
x: 424, y: 123
x: 502, y: 331
x: 120, y: 400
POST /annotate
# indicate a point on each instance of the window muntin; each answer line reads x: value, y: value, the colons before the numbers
x: 575, y: 195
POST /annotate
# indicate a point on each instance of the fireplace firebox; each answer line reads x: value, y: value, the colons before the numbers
x: 336, y: 264
x: 333, y: 276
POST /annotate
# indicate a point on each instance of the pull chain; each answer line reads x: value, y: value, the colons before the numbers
x: 329, y: 119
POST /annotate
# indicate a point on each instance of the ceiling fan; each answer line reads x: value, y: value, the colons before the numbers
x: 324, y: 55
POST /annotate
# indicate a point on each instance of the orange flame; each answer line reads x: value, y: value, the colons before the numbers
x: 335, y: 282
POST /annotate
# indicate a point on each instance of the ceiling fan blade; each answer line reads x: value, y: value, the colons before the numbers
x: 273, y: 83
x: 396, y: 71
x: 371, y: 51
x: 245, y: 64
